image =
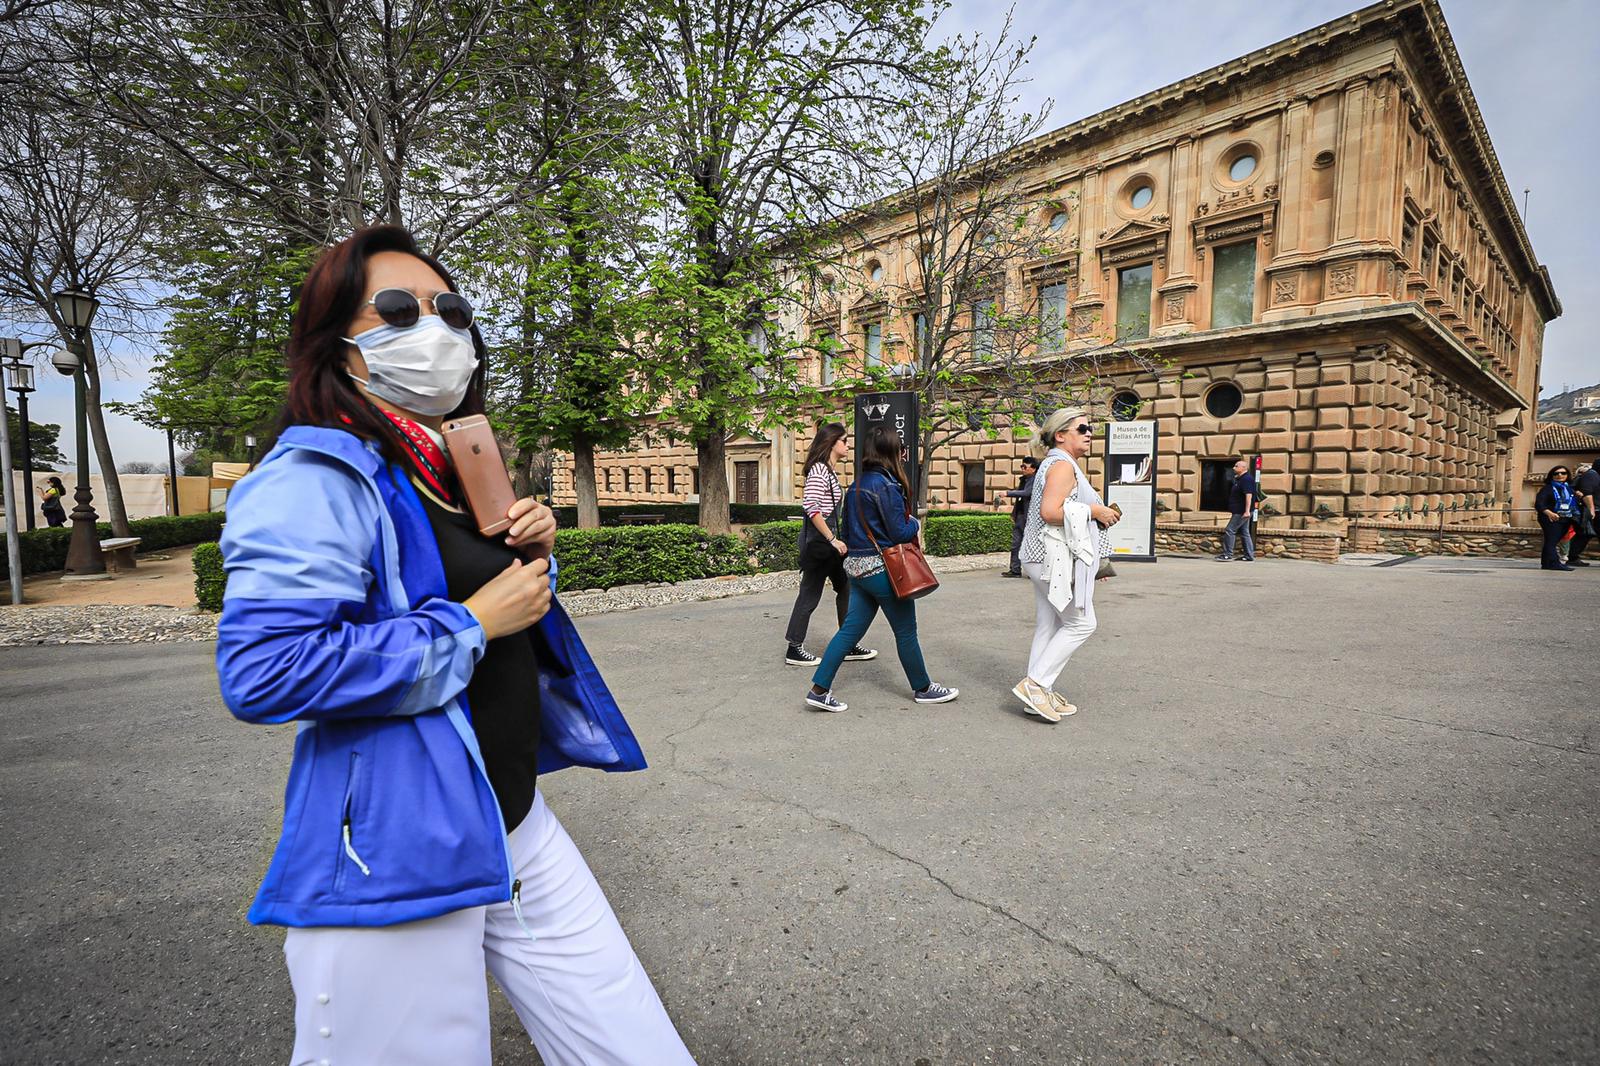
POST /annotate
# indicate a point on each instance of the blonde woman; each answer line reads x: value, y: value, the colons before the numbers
x: 1067, y: 436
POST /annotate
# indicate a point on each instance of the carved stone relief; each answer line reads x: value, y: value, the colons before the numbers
x: 1342, y: 279
x: 1285, y: 290
x: 1175, y: 307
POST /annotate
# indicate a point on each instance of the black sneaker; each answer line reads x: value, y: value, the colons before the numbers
x: 798, y: 656
x: 1578, y: 562
x: 824, y: 701
x: 1011, y: 573
x: 936, y: 694
x: 1223, y: 558
x: 858, y: 654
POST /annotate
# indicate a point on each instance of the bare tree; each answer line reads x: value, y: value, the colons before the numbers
x: 985, y: 355
x: 65, y: 222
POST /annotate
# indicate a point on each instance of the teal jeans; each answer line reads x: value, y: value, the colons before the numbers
x: 867, y: 596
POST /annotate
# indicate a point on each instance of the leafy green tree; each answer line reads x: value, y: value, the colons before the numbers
x: 43, y: 440
x: 759, y: 112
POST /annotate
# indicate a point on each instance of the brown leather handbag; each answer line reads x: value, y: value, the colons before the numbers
x: 909, y: 573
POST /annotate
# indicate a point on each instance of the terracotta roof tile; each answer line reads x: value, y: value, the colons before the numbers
x: 1555, y: 437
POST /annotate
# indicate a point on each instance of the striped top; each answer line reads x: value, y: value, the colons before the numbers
x: 822, y: 491
x: 1032, y: 550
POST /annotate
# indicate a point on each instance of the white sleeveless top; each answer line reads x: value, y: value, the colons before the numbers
x: 1032, y: 550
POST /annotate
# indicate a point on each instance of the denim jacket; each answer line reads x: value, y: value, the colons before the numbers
x: 336, y: 618
x: 883, y: 506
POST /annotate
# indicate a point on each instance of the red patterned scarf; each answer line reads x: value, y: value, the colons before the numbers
x: 430, y: 461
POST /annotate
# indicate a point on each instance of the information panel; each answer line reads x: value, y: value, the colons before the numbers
x: 1130, y: 455
x: 899, y: 411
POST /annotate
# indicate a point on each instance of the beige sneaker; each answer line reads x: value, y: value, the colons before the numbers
x: 1036, y: 700
x: 1066, y: 709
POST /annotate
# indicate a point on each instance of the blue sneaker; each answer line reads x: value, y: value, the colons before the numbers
x: 824, y: 701
x: 936, y: 694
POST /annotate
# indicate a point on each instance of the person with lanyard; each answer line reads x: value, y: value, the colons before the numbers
x: 1557, y: 506
x: 433, y: 677
x: 821, y: 551
x: 1586, y: 489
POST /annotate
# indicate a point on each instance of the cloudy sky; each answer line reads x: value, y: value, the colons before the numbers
x: 1531, y: 66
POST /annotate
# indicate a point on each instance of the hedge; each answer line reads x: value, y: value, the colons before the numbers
x: 46, y: 549
x: 743, y: 514
x: 776, y: 545
x: 209, y: 577
x: 973, y: 534
x: 631, y: 555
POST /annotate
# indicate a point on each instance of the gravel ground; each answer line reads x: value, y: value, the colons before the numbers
x: 23, y: 626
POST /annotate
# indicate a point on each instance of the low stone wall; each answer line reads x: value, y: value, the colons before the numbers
x: 1414, y: 538
x: 1311, y: 544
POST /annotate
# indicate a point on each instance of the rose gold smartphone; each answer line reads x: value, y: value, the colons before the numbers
x: 482, y: 470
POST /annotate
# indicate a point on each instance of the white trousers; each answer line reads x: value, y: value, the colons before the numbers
x: 415, y: 995
x: 1056, y: 634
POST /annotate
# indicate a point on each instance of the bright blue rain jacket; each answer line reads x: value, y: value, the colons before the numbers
x: 336, y: 617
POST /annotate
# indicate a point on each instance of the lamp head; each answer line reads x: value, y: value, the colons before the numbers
x: 20, y: 377
x: 10, y: 349
x: 76, y: 307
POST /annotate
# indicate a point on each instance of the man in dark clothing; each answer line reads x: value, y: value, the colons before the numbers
x: 1020, y: 496
x: 1241, y: 500
x: 1587, y: 490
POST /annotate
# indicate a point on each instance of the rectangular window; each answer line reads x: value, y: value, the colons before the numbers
x: 1053, y: 317
x: 1133, y: 302
x: 758, y: 341
x: 1216, y: 482
x: 972, y: 483
x: 605, y: 479
x: 1233, y: 284
x: 672, y: 481
x: 983, y: 328
x: 874, y: 343
x: 694, y: 472
x: 919, y: 325
x: 826, y: 349
x: 649, y: 472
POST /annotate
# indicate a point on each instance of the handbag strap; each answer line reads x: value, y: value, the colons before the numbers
x: 862, y: 518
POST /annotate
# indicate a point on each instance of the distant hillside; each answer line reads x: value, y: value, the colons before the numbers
x: 1577, y: 407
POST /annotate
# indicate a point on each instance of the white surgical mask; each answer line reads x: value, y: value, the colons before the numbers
x: 425, y: 368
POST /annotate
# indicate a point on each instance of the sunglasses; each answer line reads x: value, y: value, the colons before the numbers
x: 401, y: 308
x: 1559, y: 473
x: 1086, y: 429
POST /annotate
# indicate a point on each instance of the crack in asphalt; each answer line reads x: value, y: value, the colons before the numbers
x: 996, y: 909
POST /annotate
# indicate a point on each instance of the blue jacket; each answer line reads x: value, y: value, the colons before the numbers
x: 336, y: 617
x: 883, y: 506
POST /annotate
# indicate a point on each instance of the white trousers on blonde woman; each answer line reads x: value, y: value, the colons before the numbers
x: 414, y: 994
x: 1056, y: 634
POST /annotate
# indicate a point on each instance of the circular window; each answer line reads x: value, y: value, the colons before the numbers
x: 875, y: 271
x: 1125, y: 406
x: 1224, y: 399
x: 1242, y: 167
x: 1058, y: 220
x: 1140, y: 197
x: 1323, y: 160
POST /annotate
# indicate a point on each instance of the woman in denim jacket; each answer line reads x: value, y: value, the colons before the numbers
x: 432, y: 676
x: 878, y: 498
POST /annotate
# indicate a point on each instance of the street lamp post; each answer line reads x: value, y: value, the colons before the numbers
x: 172, y: 471
x: 250, y: 448
x: 20, y: 381
x: 77, y: 309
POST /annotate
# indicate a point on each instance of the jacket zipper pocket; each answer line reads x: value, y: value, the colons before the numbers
x: 348, y: 815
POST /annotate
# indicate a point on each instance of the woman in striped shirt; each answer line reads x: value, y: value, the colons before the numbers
x: 821, y: 551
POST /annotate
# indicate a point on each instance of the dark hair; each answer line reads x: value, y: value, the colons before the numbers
x: 56, y: 482
x: 1550, y: 475
x: 828, y: 434
x: 1030, y: 460
x: 883, y: 451
x: 320, y: 392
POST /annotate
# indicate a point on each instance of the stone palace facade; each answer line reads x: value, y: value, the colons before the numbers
x: 1319, y: 241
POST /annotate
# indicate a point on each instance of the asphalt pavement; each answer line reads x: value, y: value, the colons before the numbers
x: 1306, y: 814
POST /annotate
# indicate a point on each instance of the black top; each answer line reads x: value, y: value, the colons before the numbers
x: 1589, y: 483
x: 1241, y: 485
x: 1021, y: 494
x: 503, y: 695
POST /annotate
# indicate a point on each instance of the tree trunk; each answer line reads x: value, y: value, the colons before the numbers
x: 522, y: 470
x: 117, y: 511
x: 585, y: 484
x: 925, y: 447
x: 713, y: 456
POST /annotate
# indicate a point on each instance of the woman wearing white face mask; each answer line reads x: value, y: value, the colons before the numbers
x: 433, y: 676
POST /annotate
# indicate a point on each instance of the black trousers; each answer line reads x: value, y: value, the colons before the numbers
x: 1553, y: 532
x: 1017, y: 530
x: 1580, y: 541
x: 812, y: 580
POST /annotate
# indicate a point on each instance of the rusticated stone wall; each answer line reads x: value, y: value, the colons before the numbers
x: 1399, y: 538
x: 1309, y: 544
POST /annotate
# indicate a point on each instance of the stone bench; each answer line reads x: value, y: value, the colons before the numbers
x: 642, y: 519
x: 119, y: 552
